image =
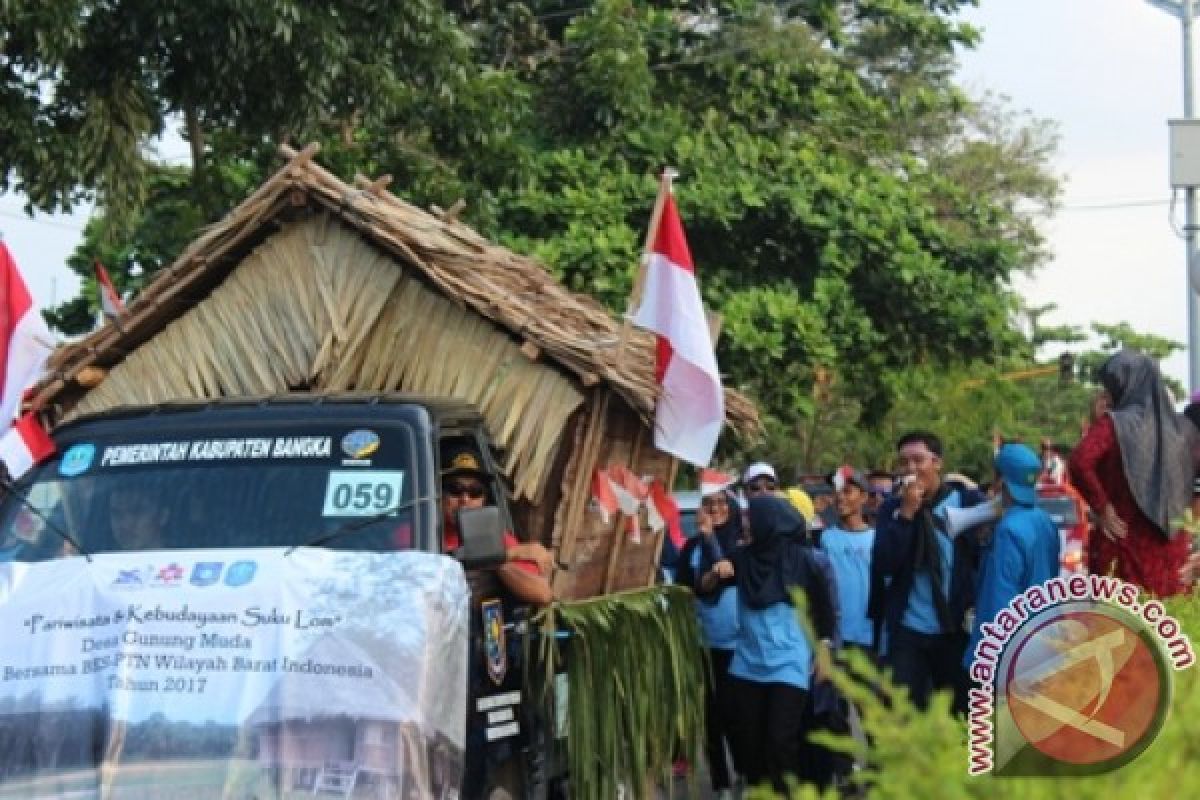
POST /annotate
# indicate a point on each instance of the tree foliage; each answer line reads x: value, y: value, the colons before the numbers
x: 850, y: 209
x: 915, y: 753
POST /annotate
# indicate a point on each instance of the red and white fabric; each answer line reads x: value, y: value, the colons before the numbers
x: 615, y: 489
x: 713, y: 481
x: 631, y: 494
x: 25, y: 444
x: 25, y: 341
x: 604, y: 498
x: 691, y: 404
x: 110, y: 301
x: 663, y: 512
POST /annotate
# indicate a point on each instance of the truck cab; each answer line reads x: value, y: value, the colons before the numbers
x: 341, y: 472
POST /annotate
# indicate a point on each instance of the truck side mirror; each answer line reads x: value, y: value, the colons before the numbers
x: 481, y: 531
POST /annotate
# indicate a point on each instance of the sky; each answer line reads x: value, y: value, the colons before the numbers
x: 1110, y: 73
x: 1107, y: 71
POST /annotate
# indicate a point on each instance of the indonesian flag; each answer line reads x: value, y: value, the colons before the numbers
x: 603, y: 496
x: 663, y: 512
x: 630, y: 493
x: 712, y: 481
x: 691, y: 405
x: 616, y: 489
x: 110, y: 301
x: 25, y: 341
x: 25, y: 444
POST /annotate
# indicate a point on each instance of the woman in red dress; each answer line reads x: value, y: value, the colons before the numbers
x: 1134, y: 467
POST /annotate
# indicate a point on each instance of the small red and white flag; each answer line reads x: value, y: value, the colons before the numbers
x: 25, y: 341
x: 615, y: 489
x: 110, y: 301
x: 691, y: 403
x: 713, y: 481
x: 663, y: 512
x: 603, y: 496
x: 631, y: 494
x: 25, y: 444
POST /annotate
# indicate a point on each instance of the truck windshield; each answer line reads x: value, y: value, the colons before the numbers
x: 114, y: 495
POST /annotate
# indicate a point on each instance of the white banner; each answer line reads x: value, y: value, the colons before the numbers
x: 233, y: 673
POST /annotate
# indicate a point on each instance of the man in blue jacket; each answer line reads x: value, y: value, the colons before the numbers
x: 922, y: 578
x: 1024, y: 549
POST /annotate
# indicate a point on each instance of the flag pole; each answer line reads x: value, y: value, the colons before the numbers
x: 635, y: 298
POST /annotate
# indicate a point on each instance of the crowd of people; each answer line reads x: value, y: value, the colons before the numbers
x: 885, y: 569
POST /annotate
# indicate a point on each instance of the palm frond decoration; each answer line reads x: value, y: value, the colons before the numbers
x: 636, y: 670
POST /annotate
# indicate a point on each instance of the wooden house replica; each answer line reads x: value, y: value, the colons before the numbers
x: 377, y: 744
x: 312, y: 284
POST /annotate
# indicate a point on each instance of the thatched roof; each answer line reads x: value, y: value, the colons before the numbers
x: 514, y: 292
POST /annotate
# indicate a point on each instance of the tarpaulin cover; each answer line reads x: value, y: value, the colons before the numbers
x: 233, y: 673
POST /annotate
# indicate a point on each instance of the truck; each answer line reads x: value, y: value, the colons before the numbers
x: 281, y: 558
x: 239, y: 482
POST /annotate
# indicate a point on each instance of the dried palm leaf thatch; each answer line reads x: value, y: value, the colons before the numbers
x: 317, y: 306
x: 511, y: 292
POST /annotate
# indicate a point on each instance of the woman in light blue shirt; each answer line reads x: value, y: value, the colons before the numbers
x: 719, y: 525
x: 773, y: 659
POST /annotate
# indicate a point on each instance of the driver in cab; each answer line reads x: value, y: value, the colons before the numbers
x: 527, y: 566
x: 138, y: 520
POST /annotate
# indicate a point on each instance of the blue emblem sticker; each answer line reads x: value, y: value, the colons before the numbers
x: 77, y: 460
x: 493, y: 638
x: 240, y: 573
x: 128, y: 577
x: 206, y: 573
x: 361, y: 443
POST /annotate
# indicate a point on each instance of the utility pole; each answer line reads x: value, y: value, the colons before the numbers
x: 1185, y: 12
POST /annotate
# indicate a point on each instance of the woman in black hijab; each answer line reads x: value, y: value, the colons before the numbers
x: 719, y: 529
x: 774, y: 659
x: 1134, y: 467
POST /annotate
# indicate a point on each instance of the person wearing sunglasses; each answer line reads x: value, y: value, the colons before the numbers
x: 465, y: 485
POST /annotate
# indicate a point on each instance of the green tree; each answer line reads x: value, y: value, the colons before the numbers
x: 850, y: 209
x: 86, y: 84
x: 1121, y: 335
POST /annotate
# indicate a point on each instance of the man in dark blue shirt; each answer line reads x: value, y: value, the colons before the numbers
x: 922, y: 578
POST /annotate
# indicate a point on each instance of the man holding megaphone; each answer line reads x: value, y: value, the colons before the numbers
x: 1024, y: 548
x: 923, y: 576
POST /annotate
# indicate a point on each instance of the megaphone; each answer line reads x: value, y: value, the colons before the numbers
x: 960, y: 520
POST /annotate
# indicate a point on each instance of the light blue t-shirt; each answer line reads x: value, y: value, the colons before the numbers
x: 921, y: 614
x: 772, y: 647
x: 719, y: 620
x: 850, y: 554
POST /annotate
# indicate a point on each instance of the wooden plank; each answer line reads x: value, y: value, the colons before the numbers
x: 622, y: 533
x: 577, y: 479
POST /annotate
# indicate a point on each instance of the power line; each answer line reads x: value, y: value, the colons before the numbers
x: 52, y: 223
x: 1116, y: 204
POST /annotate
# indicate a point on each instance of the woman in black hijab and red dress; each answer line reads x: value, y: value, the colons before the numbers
x: 1134, y: 468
